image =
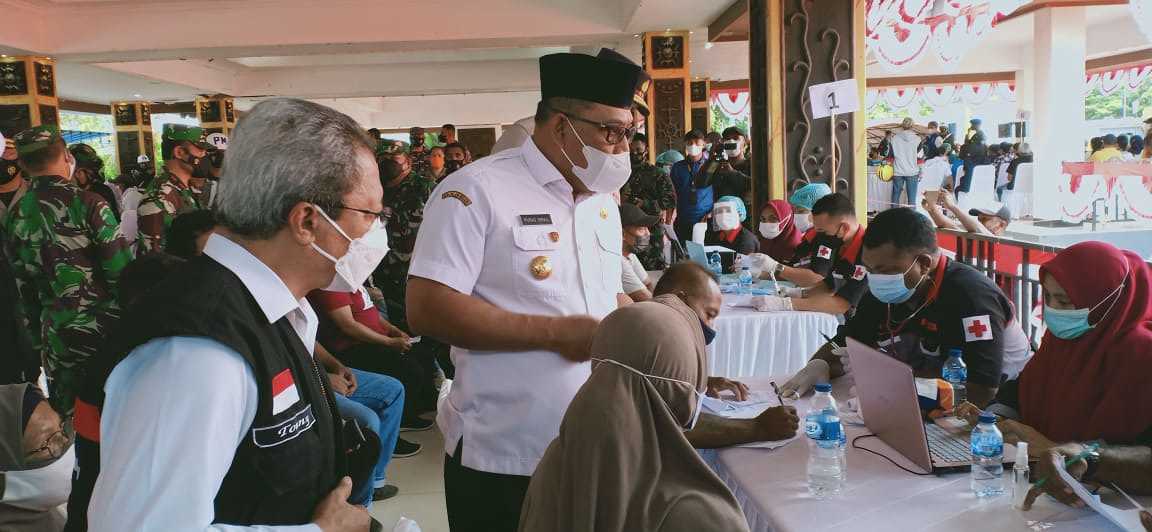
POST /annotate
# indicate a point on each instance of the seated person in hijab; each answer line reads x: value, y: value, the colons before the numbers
x: 779, y: 236
x: 1088, y: 382
x: 797, y: 268
x: 622, y: 462
x: 918, y: 306
x: 695, y: 285
x: 728, y: 215
x: 36, y: 461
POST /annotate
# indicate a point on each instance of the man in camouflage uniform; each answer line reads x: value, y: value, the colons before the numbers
x: 66, y: 252
x: 652, y: 191
x: 417, y: 151
x: 172, y: 192
x: 405, y: 193
x: 12, y: 183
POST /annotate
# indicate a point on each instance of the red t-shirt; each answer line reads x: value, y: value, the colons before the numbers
x: 363, y: 311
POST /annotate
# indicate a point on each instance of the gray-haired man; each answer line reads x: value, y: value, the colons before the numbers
x: 215, y: 411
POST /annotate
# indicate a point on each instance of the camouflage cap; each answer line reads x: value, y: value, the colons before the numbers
x: 86, y: 156
x: 182, y: 132
x: 36, y: 139
x: 393, y: 147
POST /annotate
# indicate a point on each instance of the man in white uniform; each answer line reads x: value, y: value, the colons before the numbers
x: 517, y: 259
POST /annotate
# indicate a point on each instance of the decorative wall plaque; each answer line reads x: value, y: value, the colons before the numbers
x: 49, y: 115
x: 229, y: 111
x: 700, y: 119
x: 669, y: 111
x: 209, y: 111
x: 668, y: 52
x: 127, y: 148
x: 45, y: 79
x: 125, y: 114
x: 145, y: 115
x: 13, y: 79
x: 699, y: 91
x: 14, y: 119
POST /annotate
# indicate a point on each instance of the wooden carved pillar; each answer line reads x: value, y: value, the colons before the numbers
x: 666, y: 60
x: 821, y: 41
x: 701, y: 92
x: 217, y: 114
x: 133, y: 123
x: 27, y: 93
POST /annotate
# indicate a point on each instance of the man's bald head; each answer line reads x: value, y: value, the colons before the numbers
x: 696, y: 286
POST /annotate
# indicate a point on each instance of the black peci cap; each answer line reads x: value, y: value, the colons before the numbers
x: 588, y: 78
x: 642, y: 83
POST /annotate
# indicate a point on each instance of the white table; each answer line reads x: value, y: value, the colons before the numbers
x: 772, y: 489
x: 879, y: 192
x: 759, y: 344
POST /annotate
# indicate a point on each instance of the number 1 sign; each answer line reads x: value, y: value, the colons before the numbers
x: 836, y: 98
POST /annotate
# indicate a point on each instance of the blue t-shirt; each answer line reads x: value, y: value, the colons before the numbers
x: 692, y: 203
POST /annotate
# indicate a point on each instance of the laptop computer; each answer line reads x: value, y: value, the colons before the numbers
x: 696, y: 253
x: 887, y: 391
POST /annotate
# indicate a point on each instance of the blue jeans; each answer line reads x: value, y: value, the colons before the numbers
x: 377, y: 403
x: 898, y: 182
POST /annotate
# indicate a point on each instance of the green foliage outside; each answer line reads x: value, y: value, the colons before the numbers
x: 1123, y: 103
x: 722, y: 120
x: 104, y: 146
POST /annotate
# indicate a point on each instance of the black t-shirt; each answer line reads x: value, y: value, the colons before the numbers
x: 745, y: 243
x: 965, y: 310
x: 6, y: 197
x: 840, y: 264
x: 802, y: 257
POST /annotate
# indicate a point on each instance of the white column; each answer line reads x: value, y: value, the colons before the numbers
x: 1060, y: 48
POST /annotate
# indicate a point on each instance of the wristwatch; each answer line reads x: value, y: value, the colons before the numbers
x: 779, y: 270
x: 1091, y: 456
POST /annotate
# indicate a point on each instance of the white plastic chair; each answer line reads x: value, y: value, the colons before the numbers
x: 1019, y: 200
x: 982, y: 190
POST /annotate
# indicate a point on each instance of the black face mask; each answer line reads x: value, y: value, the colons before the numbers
x: 709, y: 333
x: 201, y: 167
x: 452, y: 166
x: 9, y: 170
x: 638, y: 158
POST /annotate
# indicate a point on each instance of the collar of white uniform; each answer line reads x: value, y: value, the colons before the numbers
x: 270, y: 292
x: 538, y: 165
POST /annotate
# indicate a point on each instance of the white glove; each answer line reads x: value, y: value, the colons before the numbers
x: 815, y: 372
x: 842, y: 352
x: 762, y: 262
x: 771, y: 303
x: 791, y: 292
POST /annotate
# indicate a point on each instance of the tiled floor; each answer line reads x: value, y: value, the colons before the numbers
x: 421, y: 482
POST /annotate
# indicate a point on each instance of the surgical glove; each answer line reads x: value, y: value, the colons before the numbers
x: 791, y: 292
x: 771, y: 303
x: 815, y: 372
x: 761, y: 262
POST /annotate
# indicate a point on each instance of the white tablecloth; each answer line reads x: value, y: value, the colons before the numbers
x: 772, y: 488
x: 879, y: 192
x: 750, y: 343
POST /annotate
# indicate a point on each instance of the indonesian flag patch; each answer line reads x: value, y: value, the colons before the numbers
x: 859, y: 273
x: 284, y: 393
x: 824, y: 252
x: 977, y: 328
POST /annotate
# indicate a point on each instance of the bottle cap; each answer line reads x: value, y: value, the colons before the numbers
x: 987, y: 417
x: 1022, y: 453
x: 823, y: 387
x: 743, y: 267
x: 956, y: 352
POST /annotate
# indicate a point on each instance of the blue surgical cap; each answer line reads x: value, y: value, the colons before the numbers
x: 669, y: 157
x: 808, y: 195
x: 740, y: 207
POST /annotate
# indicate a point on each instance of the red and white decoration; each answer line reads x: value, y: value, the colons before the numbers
x: 1127, y: 185
x: 899, y: 32
x: 937, y: 96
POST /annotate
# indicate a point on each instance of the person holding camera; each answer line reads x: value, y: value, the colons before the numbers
x: 727, y: 171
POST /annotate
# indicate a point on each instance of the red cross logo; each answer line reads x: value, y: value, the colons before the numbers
x: 977, y: 329
x: 859, y: 273
x: 824, y: 252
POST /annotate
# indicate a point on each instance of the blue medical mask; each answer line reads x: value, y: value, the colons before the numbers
x: 1070, y: 324
x: 890, y: 288
x: 709, y: 333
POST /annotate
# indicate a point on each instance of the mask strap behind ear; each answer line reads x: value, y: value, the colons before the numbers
x: 1115, y: 293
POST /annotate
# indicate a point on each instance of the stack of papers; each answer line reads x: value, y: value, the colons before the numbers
x: 757, y: 403
x: 1126, y: 519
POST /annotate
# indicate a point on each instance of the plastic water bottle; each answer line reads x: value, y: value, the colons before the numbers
x: 987, y: 458
x: 746, y: 280
x: 714, y: 264
x: 827, y: 465
x: 956, y: 373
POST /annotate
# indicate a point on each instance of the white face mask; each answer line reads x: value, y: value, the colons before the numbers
x: 693, y: 150
x: 605, y: 172
x: 770, y: 230
x: 699, y: 396
x: 364, y: 254
x: 803, y: 222
x: 43, y: 488
x: 726, y: 221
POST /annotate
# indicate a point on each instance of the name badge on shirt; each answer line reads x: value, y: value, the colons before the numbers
x: 286, y: 430
x: 535, y: 219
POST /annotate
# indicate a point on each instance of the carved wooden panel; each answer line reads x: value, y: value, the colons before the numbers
x: 669, y: 113
x: 124, y: 114
x: 145, y: 115
x: 49, y: 115
x: 229, y: 111
x: 45, y: 79
x: 209, y: 111
x: 818, y: 40
x: 127, y: 148
x: 668, y: 52
x: 700, y: 119
x: 699, y: 91
x: 13, y: 79
x: 14, y: 119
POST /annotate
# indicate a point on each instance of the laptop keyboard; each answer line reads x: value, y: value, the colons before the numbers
x: 946, y: 447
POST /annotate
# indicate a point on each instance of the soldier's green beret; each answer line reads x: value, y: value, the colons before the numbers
x: 86, y: 156
x: 35, y: 139
x: 182, y: 132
